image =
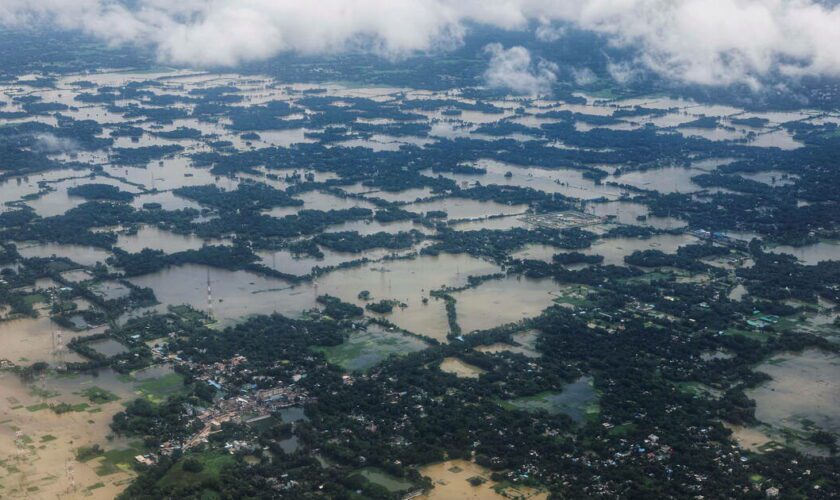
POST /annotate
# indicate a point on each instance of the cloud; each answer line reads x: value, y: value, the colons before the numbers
x: 622, y: 72
x: 49, y: 143
x: 710, y: 42
x: 583, y: 76
x: 549, y: 32
x: 513, y: 69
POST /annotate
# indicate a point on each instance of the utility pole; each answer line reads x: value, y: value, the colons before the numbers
x: 209, y: 296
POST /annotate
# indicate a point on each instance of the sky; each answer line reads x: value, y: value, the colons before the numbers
x: 705, y: 42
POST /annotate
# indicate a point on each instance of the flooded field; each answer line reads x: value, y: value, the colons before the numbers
x: 159, y: 239
x: 407, y: 281
x: 491, y: 223
x: 365, y: 349
x: 578, y: 400
x: 460, y: 368
x: 391, y: 483
x: 567, y: 182
x: 615, y: 249
x: 108, y: 347
x: 498, y: 302
x: 28, y: 340
x: 632, y: 214
x: 236, y: 294
x: 451, y: 479
x: 811, y: 254
x: 804, y: 392
x: 39, y: 449
x: 527, y: 345
x: 460, y: 208
x: 86, y: 256
x: 319, y: 200
x: 664, y: 180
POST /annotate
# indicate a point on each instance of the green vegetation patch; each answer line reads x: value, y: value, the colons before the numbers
x: 67, y: 408
x: 118, y: 461
x: 209, y: 469
x: 158, y: 389
x: 86, y: 453
x: 34, y: 299
x: 99, y: 396
x: 388, y: 481
x: 38, y: 407
x: 95, y: 486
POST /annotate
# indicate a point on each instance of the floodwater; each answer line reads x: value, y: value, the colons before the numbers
x: 462, y: 208
x: 665, y: 180
x: 366, y: 227
x: 319, y: 200
x: 460, y: 368
x: 633, y: 214
x: 169, y: 173
x: 38, y: 446
x: 749, y: 438
x: 498, y: 302
x: 159, y: 239
x: 576, y: 400
x: 236, y: 294
x: 527, y: 345
x: 811, y: 254
x: 536, y: 251
x: 615, y: 249
x: 493, y: 224
x: 565, y: 181
x: 365, y: 349
x: 28, y: 340
x: 284, y: 261
x: 451, y: 481
x: 58, y: 202
x: 167, y: 199
x: 407, y: 281
x: 110, y: 290
x: 407, y: 196
x: 86, y: 256
x: 108, y: 347
x: 805, y: 387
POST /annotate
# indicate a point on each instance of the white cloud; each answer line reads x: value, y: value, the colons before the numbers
x: 583, y: 76
x: 49, y: 143
x: 549, y: 32
x: 513, y: 69
x: 622, y: 72
x: 701, y: 41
